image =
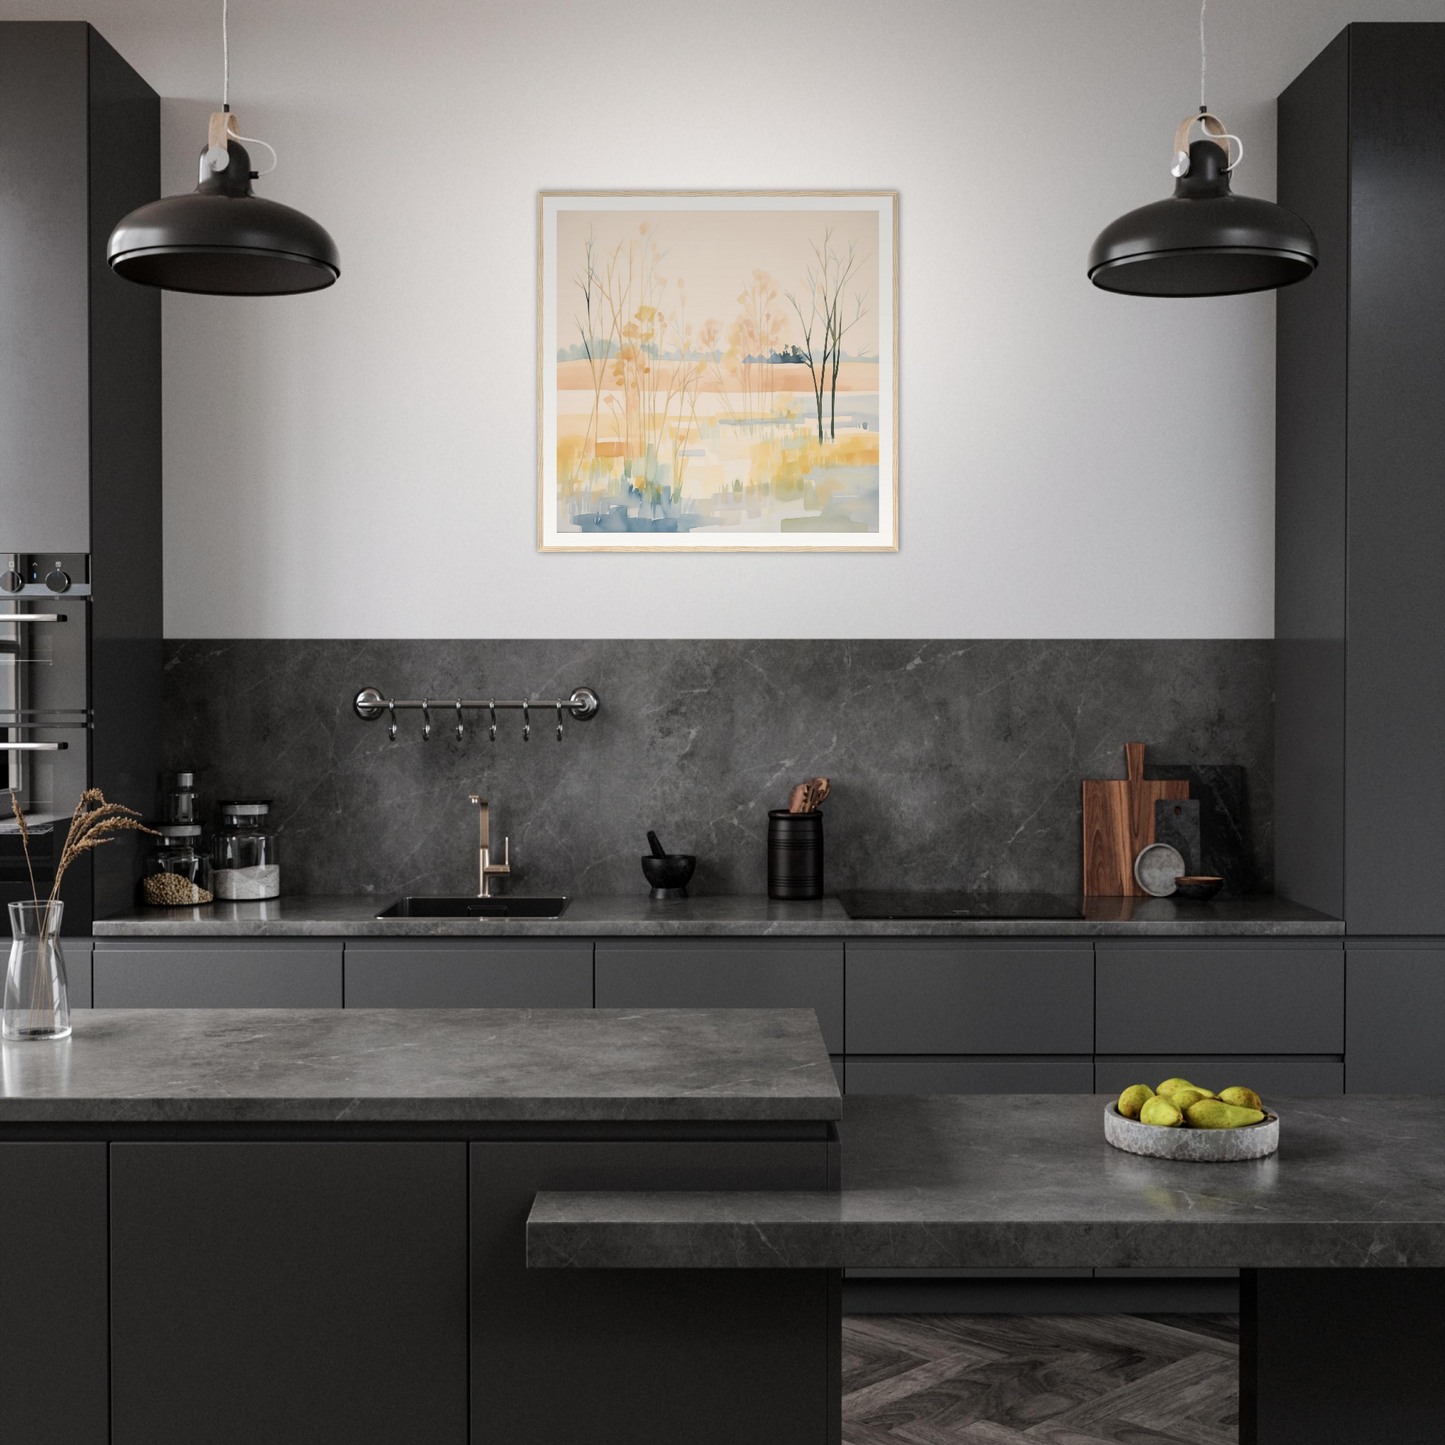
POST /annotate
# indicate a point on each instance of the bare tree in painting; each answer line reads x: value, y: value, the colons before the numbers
x: 587, y: 281
x: 818, y: 313
x: 843, y: 268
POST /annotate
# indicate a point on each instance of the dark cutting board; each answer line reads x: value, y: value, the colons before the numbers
x: 1224, y: 825
x: 1176, y: 822
x: 1119, y: 823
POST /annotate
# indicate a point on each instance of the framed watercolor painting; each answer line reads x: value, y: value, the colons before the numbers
x: 717, y: 371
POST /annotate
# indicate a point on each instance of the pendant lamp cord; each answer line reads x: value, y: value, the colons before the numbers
x: 226, y: 90
x: 1203, y: 54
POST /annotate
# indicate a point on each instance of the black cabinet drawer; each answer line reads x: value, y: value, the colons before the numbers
x: 1395, y: 1040
x: 436, y: 973
x: 288, y: 1292
x: 54, y: 1255
x: 1268, y: 1076
x: 925, y: 997
x: 761, y: 973
x: 1219, y: 998
x: 77, y: 953
x: 970, y: 1076
x: 207, y: 973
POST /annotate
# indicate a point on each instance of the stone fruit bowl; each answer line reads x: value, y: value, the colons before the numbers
x: 1197, y: 1146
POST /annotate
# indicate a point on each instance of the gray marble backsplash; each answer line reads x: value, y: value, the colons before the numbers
x: 953, y: 764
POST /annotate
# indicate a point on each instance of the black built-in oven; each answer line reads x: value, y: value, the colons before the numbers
x: 45, y: 723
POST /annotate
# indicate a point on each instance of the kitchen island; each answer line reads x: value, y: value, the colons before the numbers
x: 1341, y: 1235
x: 309, y: 1226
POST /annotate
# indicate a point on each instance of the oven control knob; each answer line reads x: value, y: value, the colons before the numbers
x: 11, y: 581
x: 58, y: 581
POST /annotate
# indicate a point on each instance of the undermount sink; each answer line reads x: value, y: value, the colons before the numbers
x: 474, y: 907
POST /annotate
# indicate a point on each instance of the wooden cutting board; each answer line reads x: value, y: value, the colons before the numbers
x: 1118, y: 823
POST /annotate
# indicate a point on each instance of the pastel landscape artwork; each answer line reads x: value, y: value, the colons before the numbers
x: 720, y: 376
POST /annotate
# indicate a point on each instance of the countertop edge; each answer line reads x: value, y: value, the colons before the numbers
x: 706, y: 917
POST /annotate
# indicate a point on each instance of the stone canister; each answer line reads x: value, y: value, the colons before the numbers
x: 795, y: 854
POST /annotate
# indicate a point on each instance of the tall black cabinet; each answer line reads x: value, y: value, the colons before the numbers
x: 1360, y: 537
x: 80, y: 442
x: 1360, y: 508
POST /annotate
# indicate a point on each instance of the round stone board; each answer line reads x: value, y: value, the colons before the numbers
x: 1198, y: 1146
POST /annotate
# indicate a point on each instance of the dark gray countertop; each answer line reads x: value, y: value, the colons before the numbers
x: 422, y: 1066
x: 1027, y: 1181
x: 718, y: 916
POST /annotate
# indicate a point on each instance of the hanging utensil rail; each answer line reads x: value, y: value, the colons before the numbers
x: 370, y: 704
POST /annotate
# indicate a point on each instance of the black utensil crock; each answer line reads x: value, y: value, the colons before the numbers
x: 795, y: 854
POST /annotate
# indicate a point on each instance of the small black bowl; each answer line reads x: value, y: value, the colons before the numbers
x: 669, y: 874
x: 1198, y: 887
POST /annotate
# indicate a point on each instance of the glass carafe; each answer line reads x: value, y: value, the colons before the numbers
x: 37, y: 1001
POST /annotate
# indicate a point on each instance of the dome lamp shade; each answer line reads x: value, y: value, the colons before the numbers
x: 222, y: 239
x: 1204, y: 240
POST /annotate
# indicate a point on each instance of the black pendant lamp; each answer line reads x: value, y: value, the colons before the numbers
x: 1203, y: 240
x: 222, y: 239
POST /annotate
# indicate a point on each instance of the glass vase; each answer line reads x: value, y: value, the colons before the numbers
x: 37, y: 1001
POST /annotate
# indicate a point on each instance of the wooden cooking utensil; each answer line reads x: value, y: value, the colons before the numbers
x: 821, y: 788
x: 1118, y: 823
x: 798, y: 798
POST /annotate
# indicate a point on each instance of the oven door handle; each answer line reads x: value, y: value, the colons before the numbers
x: 33, y: 747
x: 32, y: 617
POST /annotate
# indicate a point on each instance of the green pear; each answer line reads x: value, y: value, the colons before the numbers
x: 1244, y: 1098
x: 1133, y: 1099
x: 1169, y: 1086
x: 1183, y: 1098
x: 1214, y: 1114
x: 1160, y: 1111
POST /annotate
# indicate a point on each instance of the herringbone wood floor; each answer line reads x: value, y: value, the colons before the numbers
x: 1040, y: 1380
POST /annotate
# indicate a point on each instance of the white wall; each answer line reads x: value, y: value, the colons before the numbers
x: 362, y: 462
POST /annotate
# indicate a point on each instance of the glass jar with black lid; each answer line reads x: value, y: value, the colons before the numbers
x: 243, y: 851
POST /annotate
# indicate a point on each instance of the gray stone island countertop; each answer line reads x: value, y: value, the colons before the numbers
x: 720, y: 916
x: 422, y: 1066
x: 1027, y: 1181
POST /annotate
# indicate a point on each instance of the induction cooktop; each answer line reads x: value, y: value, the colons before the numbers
x: 863, y: 904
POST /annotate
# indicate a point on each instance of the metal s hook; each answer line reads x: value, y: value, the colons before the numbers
x: 559, y: 722
x: 426, y: 719
x: 526, y: 724
x: 461, y: 727
x: 492, y: 731
x: 391, y: 708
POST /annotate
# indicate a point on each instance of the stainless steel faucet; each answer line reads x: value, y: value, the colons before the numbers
x: 487, y: 870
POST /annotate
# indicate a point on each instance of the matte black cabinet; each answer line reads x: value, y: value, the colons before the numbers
x: 54, y: 1327
x: 343, y: 1268
x: 80, y: 423
x: 899, y: 1016
x: 923, y: 1075
x: 77, y: 953
x: 680, y: 1339
x: 711, y: 973
x: 456, y: 973
x: 1395, y: 1042
x: 217, y: 973
x: 949, y: 996
x: 1360, y: 486
x: 963, y: 1016
x: 1271, y: 1074
x: 1219, y: 998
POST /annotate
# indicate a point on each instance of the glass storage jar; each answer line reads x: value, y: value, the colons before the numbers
x: 179, y: 804
x: 178, y: 870
x: 244, y: 852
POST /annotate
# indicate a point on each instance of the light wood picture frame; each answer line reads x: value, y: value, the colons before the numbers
x: 717, y: 371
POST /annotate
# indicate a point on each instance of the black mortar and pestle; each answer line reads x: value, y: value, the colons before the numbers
x: 667, y: 872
